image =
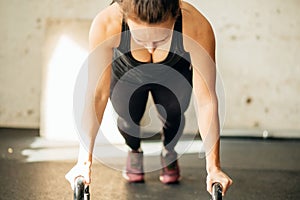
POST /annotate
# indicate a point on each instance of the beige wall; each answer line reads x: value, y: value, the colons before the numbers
x: 23, y: 31
x: 257, y: 54
x: 259, y: 44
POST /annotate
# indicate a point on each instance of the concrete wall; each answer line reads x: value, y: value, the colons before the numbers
x: 257, y: 47
x: 259, y: 44
x: 23, y: 31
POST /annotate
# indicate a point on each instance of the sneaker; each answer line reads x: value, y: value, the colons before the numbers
x: 134, y: 172
x: 170, y: 172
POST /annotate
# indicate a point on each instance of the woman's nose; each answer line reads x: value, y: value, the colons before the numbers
x: 151, y: 47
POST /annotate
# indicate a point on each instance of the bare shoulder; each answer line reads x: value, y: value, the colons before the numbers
x: 106, y: 24
x: 197, y: 27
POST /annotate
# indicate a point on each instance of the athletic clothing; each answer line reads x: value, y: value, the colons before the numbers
x: 168, y: 81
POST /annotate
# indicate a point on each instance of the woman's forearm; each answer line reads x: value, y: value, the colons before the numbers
x: 96, y: 98
x: 208, y: 121
x: 88, y: 134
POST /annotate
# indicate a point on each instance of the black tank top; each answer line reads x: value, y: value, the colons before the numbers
x: 177, y: 58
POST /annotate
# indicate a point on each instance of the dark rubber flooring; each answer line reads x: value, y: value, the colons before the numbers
x: 261, y: 169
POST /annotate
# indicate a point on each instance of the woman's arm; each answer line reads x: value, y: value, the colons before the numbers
x: 200, y: 42
x: 97, y: 90
x: 103, y: 37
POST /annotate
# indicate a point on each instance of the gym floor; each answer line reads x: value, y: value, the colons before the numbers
x: 261, y: 169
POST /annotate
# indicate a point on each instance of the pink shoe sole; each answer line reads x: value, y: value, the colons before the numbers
x: 167, y: 179
x: 133, y: 178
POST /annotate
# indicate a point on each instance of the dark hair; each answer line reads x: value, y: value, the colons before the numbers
x: 150, y: 11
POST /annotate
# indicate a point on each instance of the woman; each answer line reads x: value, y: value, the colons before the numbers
x: 165, y: 48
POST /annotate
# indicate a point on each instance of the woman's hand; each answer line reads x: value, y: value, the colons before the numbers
x: 218, y: 176
x: 80, y: 169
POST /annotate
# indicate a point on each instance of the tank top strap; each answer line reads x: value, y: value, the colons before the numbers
x: 125, y: 37
x: 177, y: 40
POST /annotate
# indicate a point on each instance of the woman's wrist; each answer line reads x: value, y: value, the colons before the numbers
x: 84, y: 155
x: 213, y: 163
x: 213, y: 169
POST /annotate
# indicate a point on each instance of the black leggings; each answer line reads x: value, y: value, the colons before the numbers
x: 130, y: 106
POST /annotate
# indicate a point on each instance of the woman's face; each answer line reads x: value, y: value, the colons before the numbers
x: 151, y: 36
